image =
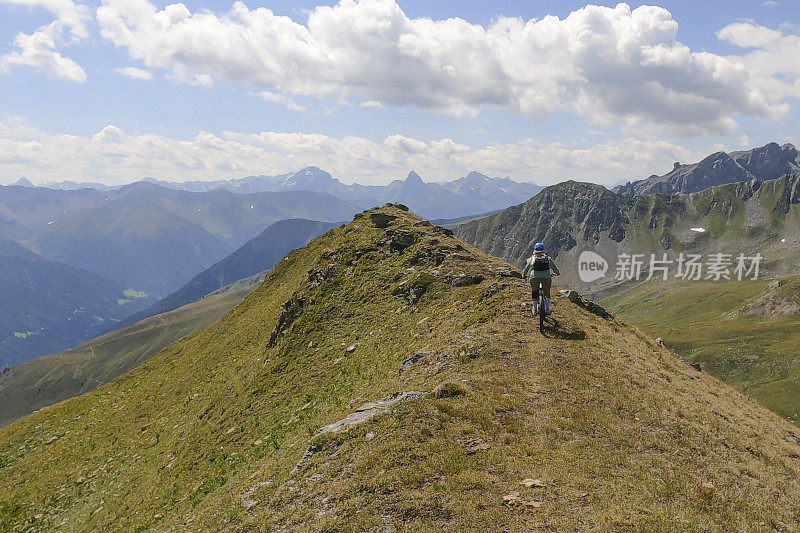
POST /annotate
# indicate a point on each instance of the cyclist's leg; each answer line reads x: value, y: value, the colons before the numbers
x: 534, y: 294
x: 546, y: 284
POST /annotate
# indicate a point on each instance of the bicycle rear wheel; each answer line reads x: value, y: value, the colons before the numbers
x: 541, y: 308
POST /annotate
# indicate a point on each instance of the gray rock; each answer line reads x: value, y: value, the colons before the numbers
x: 590, y: 306
x: 415, y: 293
x: 692, y: 364
x: 505, y: 272
x: 493, y: 289
x: 398, y: 240
x: 772, y: 285
x: 368, y: 410
x: 465, y: 280
x: 381, y: 220
x: 318, y: 277
x: 416, y: 356
x: 443, y: 231
x: 249, y: 504
x: 311, y: 450
x: 290, y: 310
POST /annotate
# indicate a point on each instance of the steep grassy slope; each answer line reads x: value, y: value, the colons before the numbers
x: 573, y: 217
x: 745, y: 333
x: 219, y: 430
x: 51, y: 378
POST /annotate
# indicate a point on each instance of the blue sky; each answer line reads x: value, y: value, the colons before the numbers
x: 599, y: 94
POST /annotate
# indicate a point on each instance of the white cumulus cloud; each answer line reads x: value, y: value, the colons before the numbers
x: 135, y: 73
x: 288, y: 101
x: 772, y: 57
x: 612, y: 65
x: 115, y: 156
x: 38, y: 49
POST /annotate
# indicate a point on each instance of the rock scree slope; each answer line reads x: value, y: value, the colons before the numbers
x: 591, y: 426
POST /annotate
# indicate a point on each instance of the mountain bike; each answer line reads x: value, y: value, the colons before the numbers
x: 539, y: 306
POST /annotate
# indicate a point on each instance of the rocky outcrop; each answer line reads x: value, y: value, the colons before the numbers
x: 590, y: 306
x: 368, y: 410
x: 290, y: 310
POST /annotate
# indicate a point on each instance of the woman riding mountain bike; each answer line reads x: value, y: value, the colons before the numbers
x: 537, y: 268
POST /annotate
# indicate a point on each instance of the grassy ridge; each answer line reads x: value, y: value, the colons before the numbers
x: 622, y: 435
x: 709, y: 323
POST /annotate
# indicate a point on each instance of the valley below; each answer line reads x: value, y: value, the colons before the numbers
x: 745, y: 333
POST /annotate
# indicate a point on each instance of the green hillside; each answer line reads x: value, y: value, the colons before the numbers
x: 51, y: 378
x: 496, y: 427
x: 745, y: 333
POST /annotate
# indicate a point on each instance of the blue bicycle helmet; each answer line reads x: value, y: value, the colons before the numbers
x: 539, y: 246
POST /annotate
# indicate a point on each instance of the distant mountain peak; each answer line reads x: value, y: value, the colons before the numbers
x: 310, y: 175
x: 413, y: 177
x: 312, y: 171
x: 476, y: 176
x: 23, y: 182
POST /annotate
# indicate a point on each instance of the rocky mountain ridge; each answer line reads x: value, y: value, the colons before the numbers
x: 767, y: 162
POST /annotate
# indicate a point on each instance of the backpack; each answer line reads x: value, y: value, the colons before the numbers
x: 541, y: 263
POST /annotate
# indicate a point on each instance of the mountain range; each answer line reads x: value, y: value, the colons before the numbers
x: 767, y: 162
x: 386, y: 376
x: 570, y: 218
x: 75, y: 263
x: 148, y: 237
x: 472, y: 194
